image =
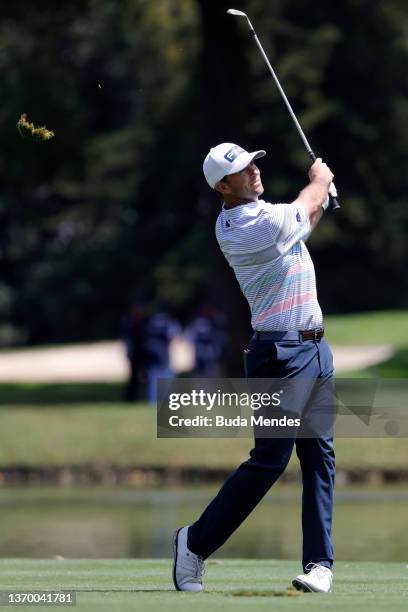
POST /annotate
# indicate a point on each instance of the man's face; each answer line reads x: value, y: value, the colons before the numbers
x: 245, y: 185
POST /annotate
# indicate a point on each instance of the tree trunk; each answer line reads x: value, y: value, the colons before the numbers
x: 226, y: 107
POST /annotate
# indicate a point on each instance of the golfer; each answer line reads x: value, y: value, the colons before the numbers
x: 264, y: 244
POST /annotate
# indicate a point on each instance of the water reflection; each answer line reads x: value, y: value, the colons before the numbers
x: 370, y: 524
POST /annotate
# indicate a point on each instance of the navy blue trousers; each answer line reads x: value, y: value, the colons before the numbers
x: 245, y: 487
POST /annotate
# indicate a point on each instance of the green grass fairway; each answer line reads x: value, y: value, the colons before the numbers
x: 120, y: 586
x: 124, y: 435
x: 365, y: 328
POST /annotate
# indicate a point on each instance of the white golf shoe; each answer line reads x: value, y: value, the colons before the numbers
x: 188, y: 568
x: 319, y: 579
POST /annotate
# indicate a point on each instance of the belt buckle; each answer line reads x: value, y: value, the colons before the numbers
x: 315, y: 334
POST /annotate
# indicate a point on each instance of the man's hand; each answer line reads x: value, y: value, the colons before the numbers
x: 315, y: 194
x: 320, y: 172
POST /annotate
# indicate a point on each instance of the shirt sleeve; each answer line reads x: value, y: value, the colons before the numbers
x: 289, y: 223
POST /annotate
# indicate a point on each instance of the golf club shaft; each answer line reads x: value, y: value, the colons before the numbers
x: 332, y: 188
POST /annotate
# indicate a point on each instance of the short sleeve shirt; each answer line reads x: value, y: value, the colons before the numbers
x: 264, y: 244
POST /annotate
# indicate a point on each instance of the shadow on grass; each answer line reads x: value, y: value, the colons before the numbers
x: 288, y: 593
x: 60, y: 393
x: 394, y: 367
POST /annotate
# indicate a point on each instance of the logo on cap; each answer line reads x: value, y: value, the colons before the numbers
x: 233, y: 153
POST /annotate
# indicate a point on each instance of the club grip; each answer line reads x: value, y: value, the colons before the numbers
x: 334, y: 203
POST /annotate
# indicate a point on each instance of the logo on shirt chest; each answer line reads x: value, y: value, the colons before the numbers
x: 298, y: 217
x: 228, y: 223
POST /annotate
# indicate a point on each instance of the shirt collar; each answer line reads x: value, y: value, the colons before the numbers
x: 237, y: 211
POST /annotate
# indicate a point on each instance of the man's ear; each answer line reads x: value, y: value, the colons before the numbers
x: 221, y: 187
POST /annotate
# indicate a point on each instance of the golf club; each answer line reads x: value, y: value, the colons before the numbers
x: 332, y: 189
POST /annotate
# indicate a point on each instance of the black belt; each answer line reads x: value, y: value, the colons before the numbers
x: 275, y: 336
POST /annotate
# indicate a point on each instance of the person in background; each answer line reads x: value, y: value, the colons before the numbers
x: 161, y: 329
x: 206, y: 332
x: 134, y: 338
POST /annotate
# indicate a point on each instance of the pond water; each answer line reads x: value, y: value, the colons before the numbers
x: 370, y: 523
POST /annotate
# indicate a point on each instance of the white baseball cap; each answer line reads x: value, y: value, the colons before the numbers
x: 227, y: 158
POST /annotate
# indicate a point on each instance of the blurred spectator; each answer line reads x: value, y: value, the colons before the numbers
x: 161, y: 328
x: 207, y: 333
x: 134, y: 337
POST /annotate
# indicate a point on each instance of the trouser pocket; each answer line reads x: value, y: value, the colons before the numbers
x: 260, y: 360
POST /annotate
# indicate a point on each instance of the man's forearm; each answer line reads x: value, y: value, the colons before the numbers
x: 314, y: 218
x: 313, y: 197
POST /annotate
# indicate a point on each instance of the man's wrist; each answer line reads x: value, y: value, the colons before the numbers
x: 317, y: 180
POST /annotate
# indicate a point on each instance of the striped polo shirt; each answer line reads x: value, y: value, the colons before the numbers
x: 264, y: 245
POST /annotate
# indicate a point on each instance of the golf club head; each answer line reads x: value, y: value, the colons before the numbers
x: 235, y: 12
x: 241, y: 14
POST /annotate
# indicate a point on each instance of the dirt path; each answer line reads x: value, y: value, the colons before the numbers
x: 106, y: 361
